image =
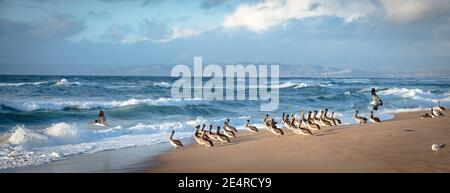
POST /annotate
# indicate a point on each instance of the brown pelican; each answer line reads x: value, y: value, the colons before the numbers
x: 226, y: 125
x: 174, y: 142
x: 359, y: 119
x: 299, y: 130
x: 212, y: 135
x: 250, y: 127
x: 274, y: 129
x: 197, y: 136
x: 323, y: 121
x: 206, y: 142
x: 203, y: 131
x: 373, y: 118
x: 311, y: 125
x: 100, y: 121
x: 221, y: 137
x: 338, y: 121
x: 376, y: 101
x: 329, y: 119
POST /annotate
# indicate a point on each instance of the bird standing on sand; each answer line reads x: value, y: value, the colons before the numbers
x: 227, y: 126
x: 197, y: 136
x: 174, y: 142
x: 338, y: 121
x: 436, y: 113
x: 310, y: 124
x: 251, y: 128
x: 273, y: 128
x: 101, y: 120
x: 373, y: 118
x: 376, y: 101
x: 221, y: 137
x: 359, y: 119
x: 206, y: 141
x: 436, y: 147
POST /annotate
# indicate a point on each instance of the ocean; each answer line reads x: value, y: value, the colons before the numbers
x: 45, y: 118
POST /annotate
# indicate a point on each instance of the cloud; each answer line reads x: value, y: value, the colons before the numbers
x: 406, y: 11
x: 54, y: 27
x: 268, y: 13
x: 157, y: 32
x: 116, y: 32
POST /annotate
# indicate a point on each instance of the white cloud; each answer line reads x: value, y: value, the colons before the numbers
x: 261, y: 16
x: 176, y: 32
x: 404, y: 11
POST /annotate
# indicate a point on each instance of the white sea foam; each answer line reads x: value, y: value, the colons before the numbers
x: 162, y: 84
x: 65, y: 82
x: 415, y: 94
x: 26, y: 147
x: 63, y: 104
x: 23, y: 83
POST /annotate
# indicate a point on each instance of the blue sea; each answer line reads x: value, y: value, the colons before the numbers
x: 45, y: 118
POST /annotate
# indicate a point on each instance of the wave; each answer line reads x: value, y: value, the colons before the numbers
x: 162, y: 84
x: 65, y: 82
x: 416, y: 94
x: 6, y: 84
x: 25, y: 147
x: 28, y: 106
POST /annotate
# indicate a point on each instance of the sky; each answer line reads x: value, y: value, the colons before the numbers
x: 409, y: 38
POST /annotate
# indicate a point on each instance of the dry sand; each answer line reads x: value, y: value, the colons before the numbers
x: 399, y: 145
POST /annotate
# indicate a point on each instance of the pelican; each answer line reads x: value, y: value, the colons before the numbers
x: 206, y: 141
x: 323, y: 121
x: 250, y: 127
x: 435, y: 113
x: 329, y: 119
x: 226, y: 125
x: 212, y: 135
x: 221, y: 137
x: 299, y: 130
x: 338, y: 121
x: 197, y: 136
x: 100, y: 121
x: 273, y: 128
x: 228, y: 133
x: 203, y: 131
x: 359, y: 119
x: 311, y: 125
x: 174, y: 142
x: 373, y: 118
x: 376, y: 101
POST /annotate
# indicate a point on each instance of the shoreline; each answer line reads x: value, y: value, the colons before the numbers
x: 401, y: 144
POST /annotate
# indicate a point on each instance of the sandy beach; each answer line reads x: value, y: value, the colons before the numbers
x: 402, y: 144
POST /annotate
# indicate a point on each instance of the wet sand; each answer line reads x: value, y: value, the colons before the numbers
x: 402, y: 144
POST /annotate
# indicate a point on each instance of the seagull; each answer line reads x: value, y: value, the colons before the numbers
x: 435, y: 147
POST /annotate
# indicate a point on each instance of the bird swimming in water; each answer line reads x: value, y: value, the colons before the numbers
x: 100, y: 121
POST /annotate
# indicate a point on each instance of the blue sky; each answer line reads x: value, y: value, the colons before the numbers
x: 147, y: 37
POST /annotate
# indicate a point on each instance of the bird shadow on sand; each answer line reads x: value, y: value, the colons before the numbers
x: 326, y: 133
